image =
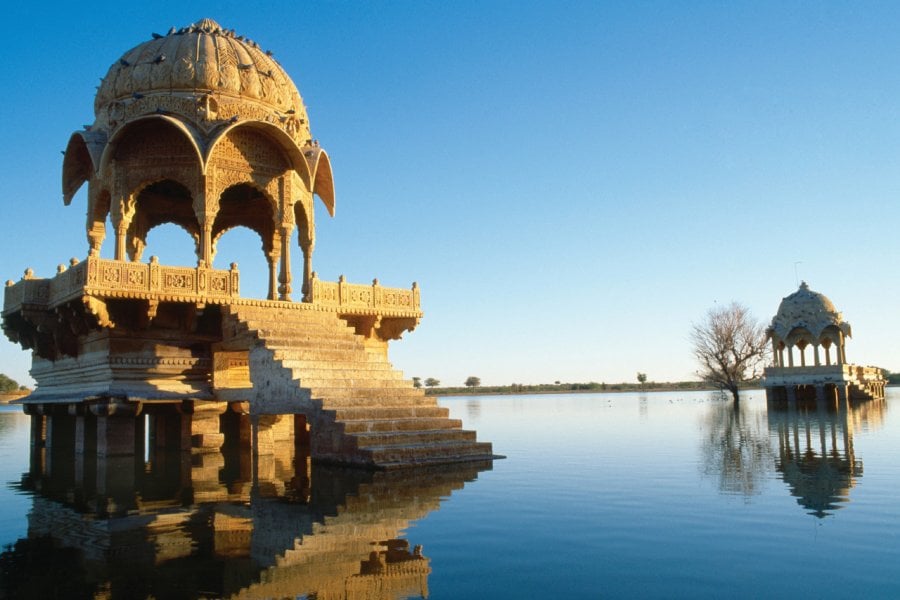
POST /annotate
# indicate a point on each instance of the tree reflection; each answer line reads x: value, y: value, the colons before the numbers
x: 736, y: 450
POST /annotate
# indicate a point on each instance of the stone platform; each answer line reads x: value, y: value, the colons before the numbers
x: 203, y: 365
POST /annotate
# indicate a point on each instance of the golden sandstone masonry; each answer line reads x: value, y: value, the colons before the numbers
x: 203, y: 129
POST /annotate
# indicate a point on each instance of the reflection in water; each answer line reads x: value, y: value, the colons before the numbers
x: 473, y: 408
x: 815, y: 451
x: 224, y: 525
x: 736, y: 450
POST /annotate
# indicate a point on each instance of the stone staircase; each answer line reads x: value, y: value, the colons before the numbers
x: 360, y: 410
x: 864, y: 390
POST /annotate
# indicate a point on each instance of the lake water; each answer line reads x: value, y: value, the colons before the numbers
x: 655, y: 495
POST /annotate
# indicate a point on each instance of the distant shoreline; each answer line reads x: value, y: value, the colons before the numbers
x: 577, y: 388
x: 6, y: 398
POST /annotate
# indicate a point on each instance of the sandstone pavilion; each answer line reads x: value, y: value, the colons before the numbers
x: 203, y: 129
x: 808, y: 338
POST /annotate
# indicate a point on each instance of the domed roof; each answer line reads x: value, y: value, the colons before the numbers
x: 198, y: 71
x: 808, y: 310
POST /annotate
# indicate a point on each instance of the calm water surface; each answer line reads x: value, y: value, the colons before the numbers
x: 655, y: 495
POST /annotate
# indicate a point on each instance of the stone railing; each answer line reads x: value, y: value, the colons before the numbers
x: 105, y: 278
x: 867, y: 373
x: 353, y: 297
x: 844, y: 372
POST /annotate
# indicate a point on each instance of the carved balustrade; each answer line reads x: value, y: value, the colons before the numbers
x: 105, y: 278
x: 354, y: 298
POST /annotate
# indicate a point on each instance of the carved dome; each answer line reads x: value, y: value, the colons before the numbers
x: 203, y: 73
x: 808, y: 310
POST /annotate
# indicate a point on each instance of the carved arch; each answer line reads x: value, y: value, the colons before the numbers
x: 157, y: 202
x: 247, y: 204
x: 323, y: 179
x: 122, y: 134
x: 80, y: 162
x: 292, y: 154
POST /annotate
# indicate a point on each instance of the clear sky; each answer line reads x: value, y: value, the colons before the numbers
x: 571, y: 183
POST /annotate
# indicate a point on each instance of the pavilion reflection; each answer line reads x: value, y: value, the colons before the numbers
x: 816, y: 456
x: 226, y: 524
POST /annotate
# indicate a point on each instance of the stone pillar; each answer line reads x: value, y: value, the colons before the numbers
x: 60, y: 441
x: 842, y: 393
x: 273, y: 257
x: 206, y: 434
x: 803, y: 356
x: 121, y: 232
x: 81, y: 439
x: 284, y: 278
x: 839, y: 349
x: 38, y: 439
x: 116, y: 428
x: 791, y: 392
x: 843, y: 403
x: 820, y: 394
x: 307, y: 271
x: 204, y: 252
x: 790, y: 350
x: 269, y: 446
x: 816, y: 354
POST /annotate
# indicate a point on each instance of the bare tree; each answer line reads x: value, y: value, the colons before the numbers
x: 730, y: 346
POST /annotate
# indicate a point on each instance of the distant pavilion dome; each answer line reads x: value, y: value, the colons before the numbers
x: 807, y: 310
x: 197, y: 72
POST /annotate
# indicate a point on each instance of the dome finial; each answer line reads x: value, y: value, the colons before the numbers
x: 207, y: 26
x: 803, y: 285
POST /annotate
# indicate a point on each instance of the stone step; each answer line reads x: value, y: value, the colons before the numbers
x: 357, y: 380
x: 405, y: 455
x: 327, y: 355
x: 304, y: 343
x: 410, y: 424
x: 389, y: 412
x: 382, y: 396
x: 339, y: 377
x: 344, y: 401
x: 406, y: 438
x: 331, y: 366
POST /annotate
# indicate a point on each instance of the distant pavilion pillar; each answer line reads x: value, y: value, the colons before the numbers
x: 790, y: 350
x: 839, y: 349
x: 816, y: 354
x: 820, y: 394
x: 791, y: 392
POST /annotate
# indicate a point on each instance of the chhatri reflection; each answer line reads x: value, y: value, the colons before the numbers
x: 816, y: 457
x: 808, y: 445
x: 224, y: 525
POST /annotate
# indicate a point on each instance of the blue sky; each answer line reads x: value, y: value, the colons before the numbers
x: 572, y: 184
